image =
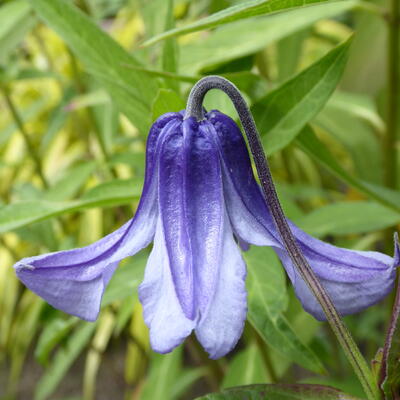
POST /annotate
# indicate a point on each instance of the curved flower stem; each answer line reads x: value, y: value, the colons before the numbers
x: 195, y: 109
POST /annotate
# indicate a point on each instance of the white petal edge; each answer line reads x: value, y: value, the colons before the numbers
x: 220, y: 328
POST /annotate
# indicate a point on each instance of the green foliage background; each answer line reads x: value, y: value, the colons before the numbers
x: 82, y: 81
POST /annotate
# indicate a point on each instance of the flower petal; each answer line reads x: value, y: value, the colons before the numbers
x: 192, y: 211
x: 221, y: 327
x: 205, y: 208
x: 348, y: 297
x: 172, y: 190
x: 79, y: 298
x: 162, y: 310
x: 74, y: 280
x: 354, y: 279
x: 241, y: 191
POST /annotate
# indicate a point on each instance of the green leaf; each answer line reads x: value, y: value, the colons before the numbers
x: 112, y: 193
x: 289, y: 52
x: 246, y: 368
x: 361, y: 144
x: 371, y: 38
x: 279, y: 392
x: 309, y: 143
x: 348, y: 217
x: 132, y: 90
x: 358, y: 105
x: 267, y: 299
x: 165, y: 369
x: 243, y: 10
x: 126, y: 279
x: 52, y: 334
x: 106, y: 118
x: 93, y: 98
x: 63, y: 360
x: 282, y: 113
x: 170, y: 48
x: 30, y: 113
x: 185, y: 379
x: 71, y: 181
x: 390, y: 368
x: 166, y: 101
x: 255, y: 34
x: 56, y: 120
x: 167, y: 378
x: 15, y: 22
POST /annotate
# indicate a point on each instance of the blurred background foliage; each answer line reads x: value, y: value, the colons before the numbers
x: 80, y: 88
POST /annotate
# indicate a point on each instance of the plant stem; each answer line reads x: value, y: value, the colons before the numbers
x: 393, y: 87
x: 195, y: 109
x: 31, y: 148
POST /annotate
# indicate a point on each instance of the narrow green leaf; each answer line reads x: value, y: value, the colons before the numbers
x: 348, y: 217
x: 282, y: 113
x: 255, y: 34
x: 309, y: 143
x: 289, y: 52
x: 170, y: 48
x: 93, y: 98
x: 56, y: 120
x: 243, y: 10
x: 15, y: 22
x: 361, y: 144
x: 370, y: 39
x: 279, y: 392
x: 361, y: 106
x: 166, y: 101
x: 113, y: 193
x: 164, y: 375
x: 126, y: 279
x: 52, y: 334
x: 71, y: 181
x: 132, y: 90
x: 246, y: 368
x: 63, y: 360
x: 27, y: 114
x: 185, y: 379
x: 267, y: 299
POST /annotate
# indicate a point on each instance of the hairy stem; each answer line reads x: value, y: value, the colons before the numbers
x: 195, y: 109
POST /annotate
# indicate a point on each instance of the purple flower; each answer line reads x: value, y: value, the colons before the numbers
x: 199, y: 199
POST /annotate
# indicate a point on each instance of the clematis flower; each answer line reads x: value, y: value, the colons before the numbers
x: 200, y: 199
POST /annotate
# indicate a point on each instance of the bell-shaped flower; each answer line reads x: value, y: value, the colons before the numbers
x: 199, y: 199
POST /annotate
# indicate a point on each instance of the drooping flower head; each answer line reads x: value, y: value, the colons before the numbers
x: 199, y: 200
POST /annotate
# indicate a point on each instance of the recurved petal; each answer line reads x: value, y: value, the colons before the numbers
x: 162, y: 310
x: 74, y: 280
x: 75, y: 297
x: 221, y: 326
x: 349, y: 297
x: 354, y: 279
x: 343, y: 265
